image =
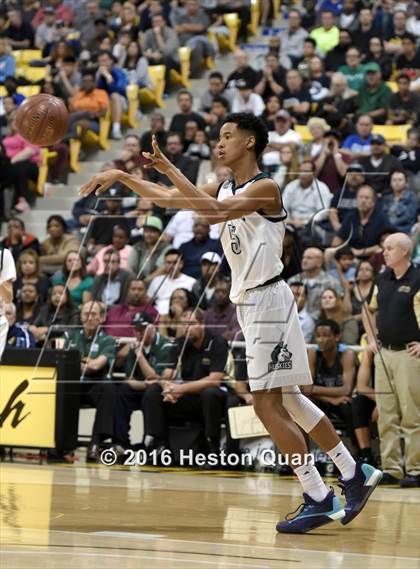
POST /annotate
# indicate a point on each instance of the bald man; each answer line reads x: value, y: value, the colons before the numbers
x: 315, y: 279
x: 394, y: 312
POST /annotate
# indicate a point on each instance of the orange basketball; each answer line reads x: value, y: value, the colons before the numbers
x: 42, y: 119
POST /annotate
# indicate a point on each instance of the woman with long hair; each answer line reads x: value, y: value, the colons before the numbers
x: 59, y: 311
x: 362, y: 290
x: 272, y: 107
x: 377, y: 55
x: 181, y: 299
x: 317, y: 127
x: 29, y: 271
x: 136, y: 66
x: 333, y: 308
x: 74, y: 274
x: 289, y: 167
x: 28, y: 305
x: 56, y: 246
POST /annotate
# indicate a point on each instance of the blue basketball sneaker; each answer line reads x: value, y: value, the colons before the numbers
x: 312, y: 514
x: 358, y: 489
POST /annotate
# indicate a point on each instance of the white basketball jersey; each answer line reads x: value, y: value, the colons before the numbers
x: 253, y: 244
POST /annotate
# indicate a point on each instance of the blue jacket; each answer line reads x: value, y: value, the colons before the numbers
x: 402, y: 213
x: 7, y: 67
x: 19, y: 337
x: 119, y: 84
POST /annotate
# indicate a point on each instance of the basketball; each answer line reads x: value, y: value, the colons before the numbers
x: 42, y: 120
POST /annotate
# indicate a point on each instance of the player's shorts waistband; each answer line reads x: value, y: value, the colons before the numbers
x: 273, y: 280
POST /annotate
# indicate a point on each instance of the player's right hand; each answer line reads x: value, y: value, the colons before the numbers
x: 100, y: 183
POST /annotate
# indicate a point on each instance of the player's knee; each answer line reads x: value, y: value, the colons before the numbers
x: 302, y: 410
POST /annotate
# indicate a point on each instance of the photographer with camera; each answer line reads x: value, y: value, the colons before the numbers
x: 331, y: 164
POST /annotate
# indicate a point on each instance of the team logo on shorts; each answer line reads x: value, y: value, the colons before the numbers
x: 281, y: 358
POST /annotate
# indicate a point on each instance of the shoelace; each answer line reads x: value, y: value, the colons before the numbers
x: 301, y: 507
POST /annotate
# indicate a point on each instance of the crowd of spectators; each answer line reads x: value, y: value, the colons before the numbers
x: 124, y: 268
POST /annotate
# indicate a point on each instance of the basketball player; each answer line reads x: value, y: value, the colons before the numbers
x: 250, y: 211
x: 7, y: 276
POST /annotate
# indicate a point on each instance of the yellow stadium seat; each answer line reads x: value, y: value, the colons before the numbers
x: 255, y: 17
x: 154, y: 96
x: 303, y: 130
x: 232, y: 21
x: 393, y: 134
x: 46, y: 157
x: 25, y: 56
x: 32, y: 74
x: 130, y: 117
x: 90, y: 138
x: 29, y: 90
x: 276, y: 8
x: 393, y: 86
x: 184, y: 54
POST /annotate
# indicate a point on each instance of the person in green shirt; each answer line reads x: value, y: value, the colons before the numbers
x: 373, y: 97
x: 148, y: 360
x: 354, y: 70
x: 327, y: 34
x: 97, y: 352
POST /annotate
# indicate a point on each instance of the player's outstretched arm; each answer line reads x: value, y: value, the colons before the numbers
x: 263, y: 194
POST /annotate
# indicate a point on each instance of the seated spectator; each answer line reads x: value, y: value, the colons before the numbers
x: 160, y: 46
x: 146, y: 259
x: 343, y: 267
x: 348, y: 19
x: 358, y: 145
x: 377, y: 54
x: 170, y: 324
x: 97, y: 352
x: 136, y: 66
x: 353, y: 69
x: 87, y: 106
x: 283, y: 134
x: 309, y: 51
x: 58, y: 311
x: 187, y: 165
x: 272, y: 78
x: 131, y: 158
x: 327, y: 34
x: 29, y: 271
x: 68, y: 78
x: 120, y: 237
x: 315, y: 279
x: 379, y: 164
x: 180, y: 227
x: 409, y: 157
x: 272, y: 107
x: 185, y: 105
x: 245, y: 100
x: 365, y: 31
x: 408, y: 61
x: 205, y: 285
x: 333, y: 307
x: 20, y: 33
x: 361, y: 291
x: 28, y: 305
x: 242, y: 71
x: 394, y: 39
x: 291, y: 253
x: 162, y: 286
x: 20, y: 168
x: 345, y: 200
x: 201, y: 358
x: 362, y: 226
x: 336, y: 57
x: 111, y: 287
x: 157, y: 128
x: 310, y: 15
x: 333, y: 370
x: 114, y: 81
x: 192, y: 251
x: 73, y: 276
x: 364, y: 407
x: 318, y: 128
x: 119, y: 317
x: 191, y: 128
x: 331, y: 164
x: 17, y: 336
x: 56, y: 246
x: 295, y: 98
x: 374, y: 94
x: 307, y: 324
x: 291, y: 38
x: 403, y: 105
x: 102, y: 227
x: 17, y: 240
x: 303, y: 198
x: 7, y: 60
x: 215, y: 90
x: 62, y: 11
x: 338, y: 107
x: 289, y: 166
x: 137, y: 217
x: 215, y: 119
x: 199, y: 146
x: 401, y: 205
x: 191, y: 26
x: 145, y: 363
x: 318, y: 82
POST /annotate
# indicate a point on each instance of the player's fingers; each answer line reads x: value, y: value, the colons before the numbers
x: 87, y: 188
x: 102, y: 188
x: 147, y: 155
x: 155, y: 146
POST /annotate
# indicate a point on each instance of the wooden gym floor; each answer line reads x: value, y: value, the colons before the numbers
x: 77, y: 516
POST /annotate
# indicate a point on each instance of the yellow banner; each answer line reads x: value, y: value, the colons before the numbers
x: 27, y: 406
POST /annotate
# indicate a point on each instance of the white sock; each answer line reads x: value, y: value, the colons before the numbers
x: 116, y: 126
x: 311, y: 481
x: 343, y: 461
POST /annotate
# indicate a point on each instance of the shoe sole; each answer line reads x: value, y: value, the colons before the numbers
x: 331, y: 518
x: 373, y: 483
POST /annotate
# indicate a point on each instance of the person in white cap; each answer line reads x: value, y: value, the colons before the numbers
x: 7, y: 276
x: 204, y: 287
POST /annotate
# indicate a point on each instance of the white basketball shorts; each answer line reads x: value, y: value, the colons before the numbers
x: 4, y: 327
x: 275, y: 348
